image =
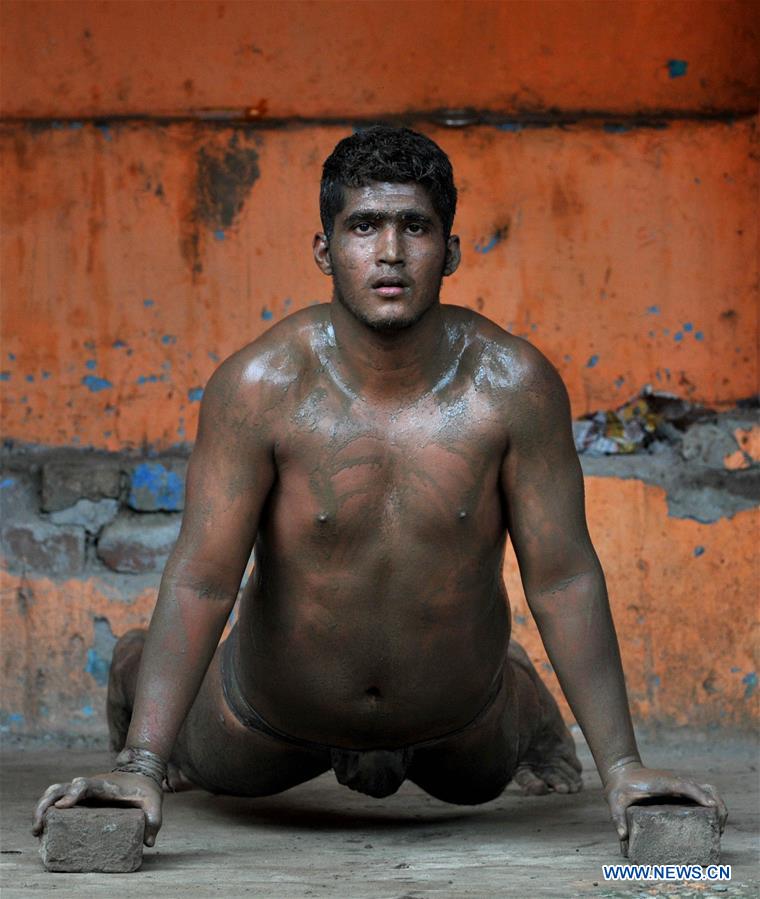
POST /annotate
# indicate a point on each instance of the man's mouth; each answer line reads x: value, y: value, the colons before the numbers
x: 389, y: 287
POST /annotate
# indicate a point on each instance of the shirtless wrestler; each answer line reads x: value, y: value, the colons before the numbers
x: 377, y: 450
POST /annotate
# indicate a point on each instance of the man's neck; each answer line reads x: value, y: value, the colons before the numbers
x: 390, y: 365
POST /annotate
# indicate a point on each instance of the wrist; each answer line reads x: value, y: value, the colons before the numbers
x: 135, y: 760
x: 625, y: 763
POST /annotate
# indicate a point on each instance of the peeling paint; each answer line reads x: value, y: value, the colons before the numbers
x: 155, y: 487
x: 99, y: 654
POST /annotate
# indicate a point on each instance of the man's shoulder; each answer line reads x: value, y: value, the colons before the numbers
x: 259, y: 374
x: 501, y: 360
x: 281, y: 355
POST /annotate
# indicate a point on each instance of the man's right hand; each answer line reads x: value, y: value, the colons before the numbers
x: 116, y: 788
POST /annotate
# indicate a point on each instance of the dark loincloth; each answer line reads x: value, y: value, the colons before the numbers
x: 375, y: 772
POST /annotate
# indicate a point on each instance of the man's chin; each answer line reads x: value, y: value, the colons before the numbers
x: 388, y: 322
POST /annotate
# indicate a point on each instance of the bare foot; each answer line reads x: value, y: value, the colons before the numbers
x: 176, y: 780
x: 551, y: 763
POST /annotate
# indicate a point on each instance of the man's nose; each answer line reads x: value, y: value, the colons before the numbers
x: 391, y: 248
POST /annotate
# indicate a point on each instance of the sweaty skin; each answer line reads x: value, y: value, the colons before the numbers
x: 377, y: 451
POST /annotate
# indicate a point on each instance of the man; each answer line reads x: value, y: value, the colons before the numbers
x: 377, y: 450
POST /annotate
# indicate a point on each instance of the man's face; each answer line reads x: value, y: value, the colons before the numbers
x: 387, y: 254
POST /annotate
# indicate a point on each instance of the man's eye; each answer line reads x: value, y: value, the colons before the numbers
x: 415, y: 228
x: 363, y: 227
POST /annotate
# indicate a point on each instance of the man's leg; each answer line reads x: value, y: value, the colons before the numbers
x: 521, y: 737
x: 213, y: 749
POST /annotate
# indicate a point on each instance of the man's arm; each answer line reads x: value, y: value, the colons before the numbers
x: 229, y: 476
x: 565, y: 589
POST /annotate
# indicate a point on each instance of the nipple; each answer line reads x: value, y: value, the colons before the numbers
x: 462, y: 514
x: 322, y: 517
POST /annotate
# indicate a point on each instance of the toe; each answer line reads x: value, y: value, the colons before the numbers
x: 530, y: 783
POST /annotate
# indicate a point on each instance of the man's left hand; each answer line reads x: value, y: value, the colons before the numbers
x: 628, y: 785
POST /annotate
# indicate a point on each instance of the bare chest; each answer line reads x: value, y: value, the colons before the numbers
x: 415, y: 472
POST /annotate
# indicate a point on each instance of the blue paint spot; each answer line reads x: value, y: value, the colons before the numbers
x: 510, y: 126
x: 195, y: 394
x: 667, y: 373
x: 699, y: 551
x: 213, y: 356
x: 75, y: 126
x: 751, y: 682
x: 616, y: 128
x: 118, y: 344
x: 91, y: 364
x: 678, y: 337
x: 148, y: 379
x: 266, y: 314
x: 547, y: 667
x: 288, y: 302
x: 735, y: 669
x: 493, y: 241
x: 99, y: 654
x: 219, y: 235
x: 97, y: 667
x: 653, y: 310
x: 95, y: 384
x: 148, y: 303
x: 486, y: 247
x: 45, y: 375
x: 30, y: 379
x: 677, y: 67
x: 105, y: 131
x: 698, y: 335
x: 155, y: 487
x: 520, y: 619
x: 6, y: 482
x: 592, y: 360
x: 654, y: 680
x: 619, y: 382
x: 12, y: 357
x: 88, y: 711
x: 15, y: 718
x: 168, y: 338
x: 687, y: 326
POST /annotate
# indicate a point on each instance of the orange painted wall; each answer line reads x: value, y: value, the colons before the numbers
x: 123, y: 285
x: 626, y: 249
x: 344, y: 59
x: 687, y: 624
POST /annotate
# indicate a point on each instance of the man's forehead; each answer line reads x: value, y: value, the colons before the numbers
x: 387, y: 195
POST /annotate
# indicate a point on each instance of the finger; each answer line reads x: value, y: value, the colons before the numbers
x: 76, y: 791
x: 620, y: 820
x: 53, y: 793
x: 718, y: 802
x: 152, y: 812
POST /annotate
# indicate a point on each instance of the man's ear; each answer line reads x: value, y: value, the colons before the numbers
x: 453, y: 255
x: 321, y: 249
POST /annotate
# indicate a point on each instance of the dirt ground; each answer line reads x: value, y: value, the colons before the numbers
x: 322, y: 840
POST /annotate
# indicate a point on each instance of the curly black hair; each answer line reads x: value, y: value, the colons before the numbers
x: 395, y: 155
